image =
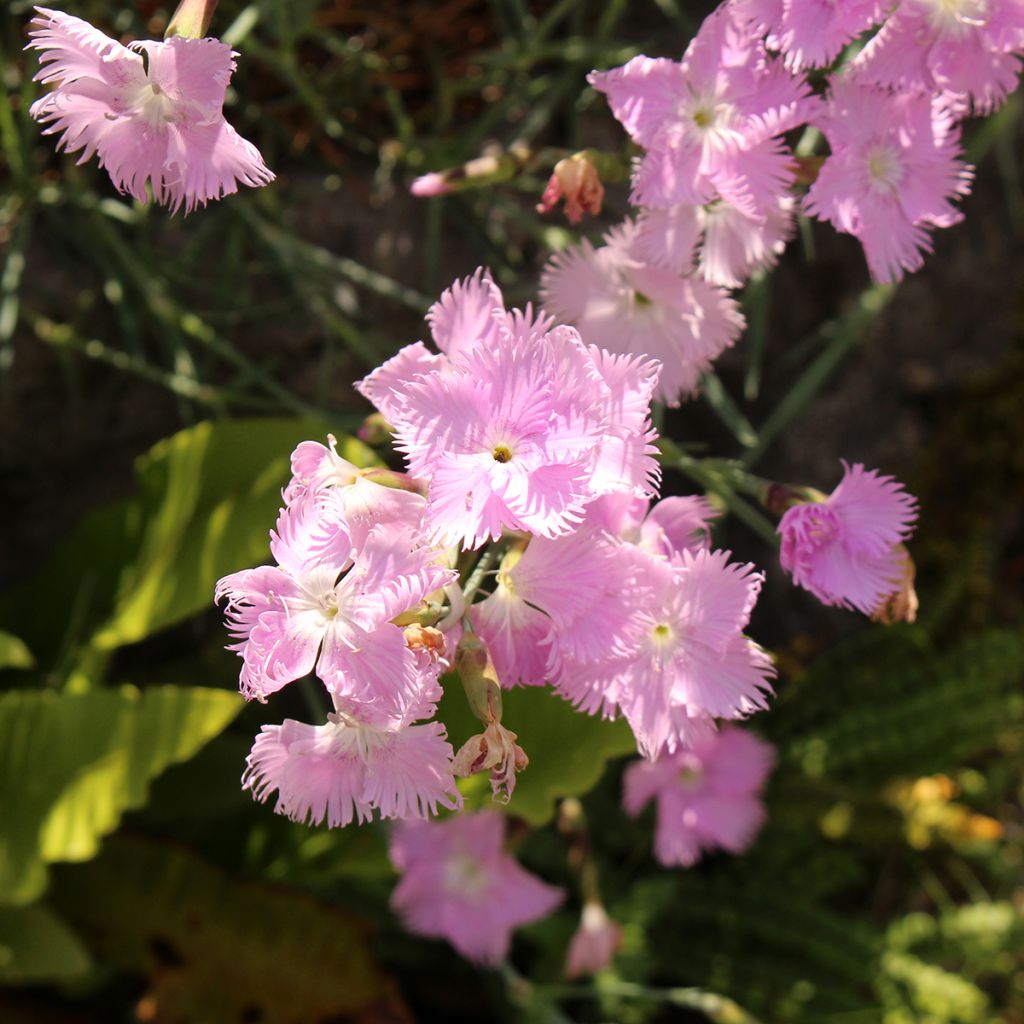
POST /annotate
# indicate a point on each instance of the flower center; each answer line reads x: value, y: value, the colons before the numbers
x: 502, y: 453
x: 956, y: 17
x: 154, y: 105
x: 465, y: 875
x: 690, y: 776
x: 884, y: 168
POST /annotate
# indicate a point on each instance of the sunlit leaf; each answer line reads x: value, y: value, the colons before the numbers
x: 71, y: 765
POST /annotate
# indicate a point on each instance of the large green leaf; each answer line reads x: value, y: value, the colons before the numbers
x: 567, y: 749
x: 215, y: 949
x: 36, y: 946
x: 210, y: 496
x: 70, y: 765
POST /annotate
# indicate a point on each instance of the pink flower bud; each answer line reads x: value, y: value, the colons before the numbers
x: 595, y: 942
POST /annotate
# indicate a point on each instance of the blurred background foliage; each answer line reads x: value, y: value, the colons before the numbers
x: 155, y: 374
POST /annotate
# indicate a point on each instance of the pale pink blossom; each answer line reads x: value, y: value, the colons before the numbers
x: 565, y: 597
x: 690, y: 662
x: 623, y: 304
x: 965, y: 48
x: 343, y: 771
x: 673, y: 525
x: 594, y: 943
x: 328, y: 606
x: 151, y: 113
x: 708, y: 797
x: 710, y: 124
x: 349, y: 494
x: 894, y: 168
x: 459, y: 884
x: 521, y: 424
x: 847, y: 549
x: 727, y: 243
x: 810, y: 33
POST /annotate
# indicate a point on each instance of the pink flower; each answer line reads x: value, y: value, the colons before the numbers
x: 624, y: 304
x: 342, y: 771
x: 708, y: 797
x: 690, y: 662
x: 711, y: 123
x: 894, y: 168
x: 846, y: 550
x: 518, y: 426
x: 966, y: 48
x: 672, y: 526
x: 152, y: 113
x: 594, y: 943
x: 459, y: 884
x: 351, y: 493
x: 298, y: 615
x: 566, y: 597
x: 810, y: 33
x: 729, y: 244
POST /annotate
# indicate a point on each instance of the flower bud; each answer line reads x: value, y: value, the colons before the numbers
x: 192, y: 19
x: 495, y: 749
x: 576, y: 180
x: 596, y: 941
x: 426, y: 638
x: 375, y: 430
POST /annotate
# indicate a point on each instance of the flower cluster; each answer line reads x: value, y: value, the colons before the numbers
x: 352, y: 560
x: 716, y: 183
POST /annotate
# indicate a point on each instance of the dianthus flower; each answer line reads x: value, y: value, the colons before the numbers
x: 847, y: 549
x: 965, y: 48
x: 708, y: 797
x: 624, y: 304
x: 710, y: 124
x: 689, y: 662
x: 152, y: 113
x: 328, y: 606
x: 810, y: 33
x: 343, y: 771
x: 459, y: 884
x: 565, y: 597
x: 519, y: 425
x: 895, y: 166
x: 729, y: 245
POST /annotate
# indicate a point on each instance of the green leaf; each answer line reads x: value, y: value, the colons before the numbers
x: 14, y: 653
x: 210, y: 496
x: 568, y: 749
x: 216, y: 949
x: 36, y: 947
x: 71, y: 765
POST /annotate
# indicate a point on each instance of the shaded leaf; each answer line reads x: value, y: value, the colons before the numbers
x: 71, y: 765
x: 36, y: 946
x: 215, y: 949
